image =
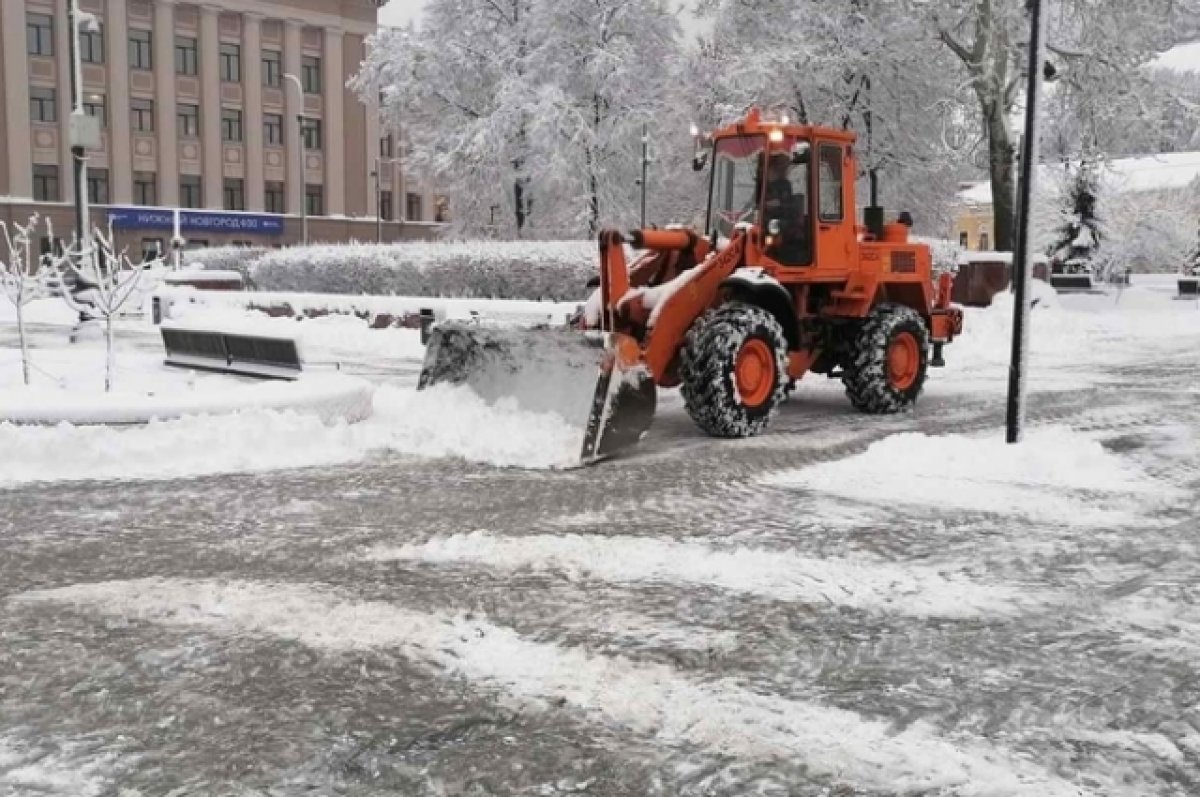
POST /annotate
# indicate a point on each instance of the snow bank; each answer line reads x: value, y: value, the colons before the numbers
x: 330, y: 397
x: 781, y: 575
x: 1055, y: 475
x: 63, y: 768
x: 53, y: 311
x: 646, y: 698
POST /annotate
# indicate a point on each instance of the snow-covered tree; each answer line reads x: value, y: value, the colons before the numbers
x: 1191, y: 265
x: 1080, y: 234
x: 534, y: 107
x: 1149, y: 231
x: 106, y: 281
x: 23, y: 277
x: 1095, y: 48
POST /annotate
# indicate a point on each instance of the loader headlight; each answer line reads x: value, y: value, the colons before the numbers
x: 776, y: 136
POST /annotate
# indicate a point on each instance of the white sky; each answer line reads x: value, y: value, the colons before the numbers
x: 401, y: 12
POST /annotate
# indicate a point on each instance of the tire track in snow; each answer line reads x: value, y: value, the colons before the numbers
x: 647, y: 699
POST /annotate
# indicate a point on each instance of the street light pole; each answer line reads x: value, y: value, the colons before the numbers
x: 300, y: 156
x: 378, y: 200
x: 78, y: 156
x: 1015, y: 416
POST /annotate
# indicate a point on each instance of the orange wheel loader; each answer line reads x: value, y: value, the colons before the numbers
x: 783, y: 281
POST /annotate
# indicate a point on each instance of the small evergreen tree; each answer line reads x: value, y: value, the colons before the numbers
x: 1078, y: 239
x: 1192, y: 265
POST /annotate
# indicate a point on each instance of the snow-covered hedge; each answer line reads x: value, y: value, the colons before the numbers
x: 551, y: 270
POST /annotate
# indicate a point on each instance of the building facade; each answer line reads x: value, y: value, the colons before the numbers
x: 235, y: 111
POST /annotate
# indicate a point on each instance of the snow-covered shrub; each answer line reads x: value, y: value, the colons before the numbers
x: 945, y: 253
x: 1076, y: 248
x: 1151, y: 231
x: 551, y: 270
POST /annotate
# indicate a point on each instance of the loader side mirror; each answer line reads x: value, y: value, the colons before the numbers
x: 800, y: 153
x: 699, y: 161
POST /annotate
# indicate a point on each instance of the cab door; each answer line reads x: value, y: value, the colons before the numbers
x: 835, y: 230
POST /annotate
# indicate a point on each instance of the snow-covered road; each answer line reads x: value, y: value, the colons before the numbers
x: 844, y: 606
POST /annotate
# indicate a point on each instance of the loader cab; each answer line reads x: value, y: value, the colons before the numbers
x: 763, y: 181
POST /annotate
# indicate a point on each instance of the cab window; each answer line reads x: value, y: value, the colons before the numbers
x: 830, y: 182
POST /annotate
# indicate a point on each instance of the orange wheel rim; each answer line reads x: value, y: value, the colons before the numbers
x: 903, y: 361
x: 754, y: 372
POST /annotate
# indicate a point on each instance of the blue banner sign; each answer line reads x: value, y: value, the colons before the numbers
x: 194, y: 221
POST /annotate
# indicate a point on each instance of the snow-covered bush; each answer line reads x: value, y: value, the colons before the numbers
x: 551, y: 270
x: 1151, y: 231
x: 23, y: 276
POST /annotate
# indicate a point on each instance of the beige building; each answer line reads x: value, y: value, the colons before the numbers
x: 197, y: 111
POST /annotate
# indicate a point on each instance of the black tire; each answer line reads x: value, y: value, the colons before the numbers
x: 870, y: 384
x: 707, y: 369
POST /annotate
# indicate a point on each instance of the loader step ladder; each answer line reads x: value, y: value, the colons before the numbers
x: 245, y: 354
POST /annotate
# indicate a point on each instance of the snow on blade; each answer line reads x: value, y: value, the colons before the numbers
x: 864, y: 585
x: 452, y: 421
x: 1055, y: 475
x: 646, y: 698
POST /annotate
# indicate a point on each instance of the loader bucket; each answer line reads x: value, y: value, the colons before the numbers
x: 610, y: 398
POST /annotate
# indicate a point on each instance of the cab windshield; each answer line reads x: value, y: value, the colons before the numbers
x: 737, y: 162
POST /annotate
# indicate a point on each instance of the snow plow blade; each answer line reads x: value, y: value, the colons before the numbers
x: 595, y: 384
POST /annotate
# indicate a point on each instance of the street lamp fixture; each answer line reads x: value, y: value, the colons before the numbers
x: 378, y: 175
x: 300, y: 155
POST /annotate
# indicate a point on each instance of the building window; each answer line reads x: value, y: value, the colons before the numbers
x: 983, y: 242
x: 39, y: 34
x: 97, y: 182
x: 385, y: 205
x: 273, y: 130
x: 231, y: 124
x: 231, y: 63
x: 963, y: 240
x: 235, y: 194
x: 42, y: 105
x: 91, y: 46
x: 441, y: 209
x: 273, y: 198
x: 188, y: 119
x: 45, y: 183
x: 187, y: 58
x: 96, y: 106
x: 190, y: 194
x: 141, y: 113
x: 310, y: 74
x: 310, y: 131
x: 272, y: 68
x: 314, y: 200
x: 386, y: 149
x: 412, y: 207
x: 141, y: 49
x: 145, y: 191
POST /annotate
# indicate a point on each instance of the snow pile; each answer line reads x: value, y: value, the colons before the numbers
x: 554, y: 270
x: 242, y: 442
x: 1054, y: 475
x: 225, y: 258
x: 780, y: 575
x: 452, y: 421
x: 647, y: 698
